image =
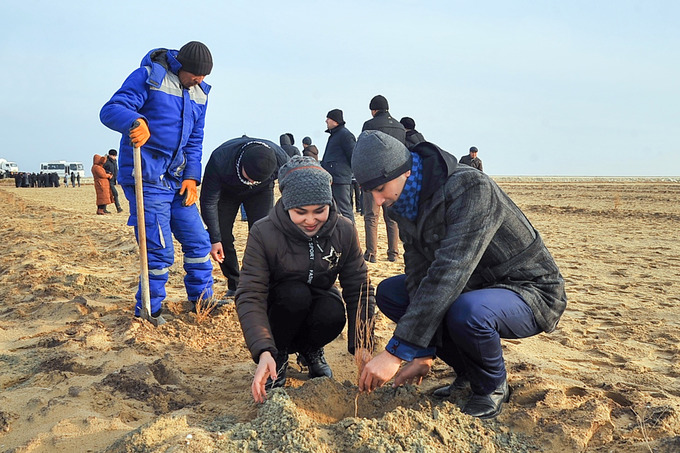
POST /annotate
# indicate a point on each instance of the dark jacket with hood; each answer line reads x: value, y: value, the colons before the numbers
x: 383, y: 122
x: 469, y: 235
x: 311, y: 151
x: 278, y: 251
x: 413, y: 137
x: 111, y: 166
x: 337, y: 158
x: 287, y: 141
x: 221, y: 179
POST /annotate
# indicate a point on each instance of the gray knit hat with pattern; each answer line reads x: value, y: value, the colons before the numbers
x: 303, y: 182
x: 379, y: 158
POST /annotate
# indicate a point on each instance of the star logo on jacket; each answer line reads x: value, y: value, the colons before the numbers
x: 333, y: 257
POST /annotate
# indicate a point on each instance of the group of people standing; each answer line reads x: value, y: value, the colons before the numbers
x: 476, y: 270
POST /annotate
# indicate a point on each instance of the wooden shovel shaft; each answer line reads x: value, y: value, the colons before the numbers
x: 141, y: 236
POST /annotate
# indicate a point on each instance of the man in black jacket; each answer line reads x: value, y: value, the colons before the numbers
x: 413, y: 137
x: 111, y: 166
x: 239, y: 171
x: 337, y: 160
x: 382, y: 121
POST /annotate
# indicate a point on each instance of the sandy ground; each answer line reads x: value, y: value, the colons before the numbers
x: 78, y: 373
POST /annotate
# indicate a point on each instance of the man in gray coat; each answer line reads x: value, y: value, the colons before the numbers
x: 476, y: 271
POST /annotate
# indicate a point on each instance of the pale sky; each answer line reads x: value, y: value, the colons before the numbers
x: 542, y: 88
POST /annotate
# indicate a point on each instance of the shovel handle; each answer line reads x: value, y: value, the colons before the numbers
x: 141, y: 233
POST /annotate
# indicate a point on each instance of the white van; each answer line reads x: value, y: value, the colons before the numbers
x: 61, y: 167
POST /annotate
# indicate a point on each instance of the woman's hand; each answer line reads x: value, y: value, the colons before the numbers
x: 266, y: 367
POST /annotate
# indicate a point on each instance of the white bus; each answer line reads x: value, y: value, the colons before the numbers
x: 61, y: 167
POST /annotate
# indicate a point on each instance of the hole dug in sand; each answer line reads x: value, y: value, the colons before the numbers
x: 326, y: 401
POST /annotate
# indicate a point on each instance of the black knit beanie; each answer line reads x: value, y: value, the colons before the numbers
x: 408, y: 123
x: 336, y: 115
x: 379, y: 103
x: 258, y: 160
x: 307, y: 141
x: 195, y: 58
x: 379, y: 158
x: 303, y: 182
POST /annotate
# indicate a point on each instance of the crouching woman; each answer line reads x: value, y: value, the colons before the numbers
x: 286, y: 298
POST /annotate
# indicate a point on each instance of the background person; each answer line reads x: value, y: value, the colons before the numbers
x: 381, y: 121
x: 111, y: 166
x: 337, y: 160
x: 102, y: 187
x: 472, y: 160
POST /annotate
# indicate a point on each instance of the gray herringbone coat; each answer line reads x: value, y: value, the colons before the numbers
x: 470, y: 235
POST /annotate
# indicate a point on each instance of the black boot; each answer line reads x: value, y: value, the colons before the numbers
x: 460, y: 383
x: 281, y: 368
x: 488, y: 406
x: 315, y: 360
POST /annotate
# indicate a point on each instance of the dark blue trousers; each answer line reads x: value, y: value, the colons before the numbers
x: 473, y: 328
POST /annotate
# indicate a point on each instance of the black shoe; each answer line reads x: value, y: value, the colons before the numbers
x: 392, y: 258
x: 106, y: 211
x: 460, y: 383
x: 315, y: 360
x: 281, y: 368
x: 119, y: 209
x: 369, y: 257
x: 488, y: 406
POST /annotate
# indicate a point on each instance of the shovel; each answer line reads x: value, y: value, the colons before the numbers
x: 141, y: 233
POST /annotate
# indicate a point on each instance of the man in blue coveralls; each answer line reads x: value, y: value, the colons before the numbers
x: 161, y: 109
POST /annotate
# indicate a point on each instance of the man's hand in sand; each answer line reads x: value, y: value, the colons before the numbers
x: 378, y: 371
x: 413, y: 372
x: 266, y: 367
x: 217, y: 252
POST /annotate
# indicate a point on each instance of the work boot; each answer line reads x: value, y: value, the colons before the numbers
x: 281, y: 367
x: 369, y: 257
x: 460, y: 383
x: 316, y: 362
x: 119, y: 209
x: 488, y: 406
x: 100, y: 211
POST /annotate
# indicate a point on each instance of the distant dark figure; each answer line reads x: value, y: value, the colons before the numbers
x: 472, y: 160
x: 111, y: 166
x: 287, y: 142
x: 73, y: 179
x: 308, y: 149
x: 413, y: 137
x: 382, y: 121
x: 337, y: 160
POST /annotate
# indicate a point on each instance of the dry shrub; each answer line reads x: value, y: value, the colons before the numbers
x: 205, y: 307
x: 363, y: 336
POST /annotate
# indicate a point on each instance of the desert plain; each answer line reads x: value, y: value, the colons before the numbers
x: 79, y: 374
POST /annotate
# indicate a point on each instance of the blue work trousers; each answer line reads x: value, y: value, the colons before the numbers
x: 472, y: 330
x: 164, y: 216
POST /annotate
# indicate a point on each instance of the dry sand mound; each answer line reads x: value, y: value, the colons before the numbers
x: 79, y: 373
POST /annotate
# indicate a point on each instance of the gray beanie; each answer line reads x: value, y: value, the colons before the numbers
x: 379, y: 158
x: 303, y: 182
